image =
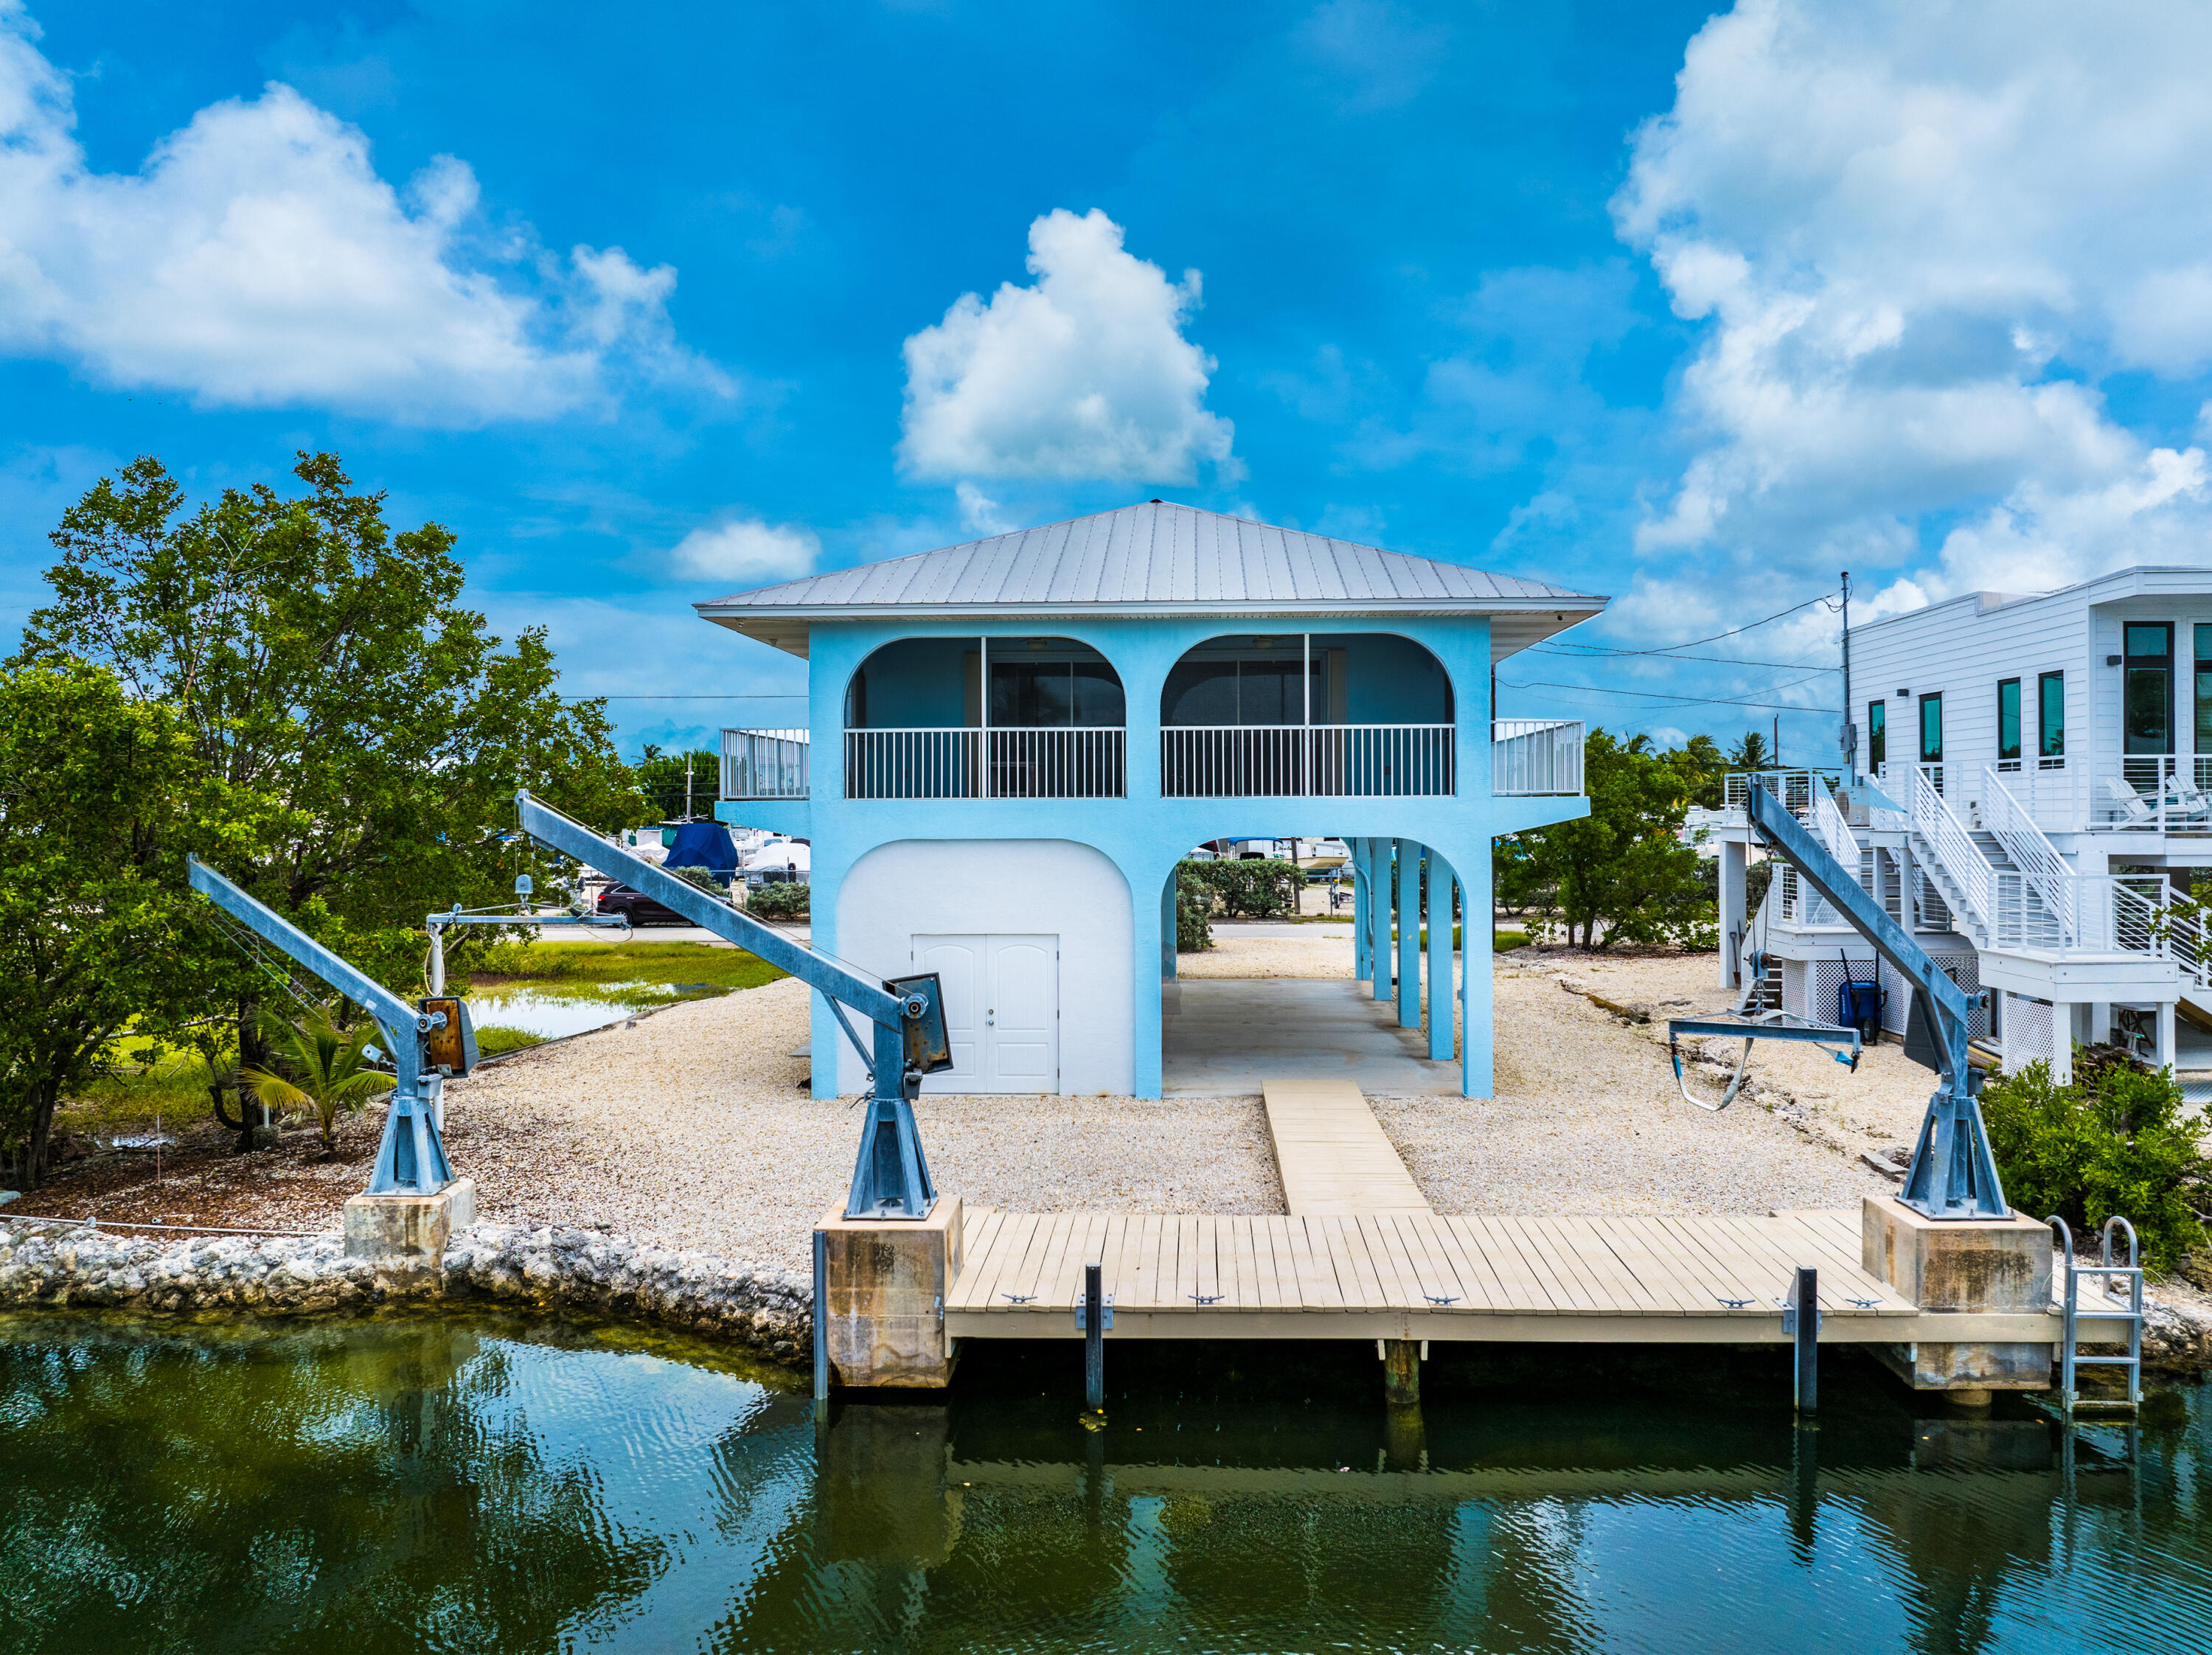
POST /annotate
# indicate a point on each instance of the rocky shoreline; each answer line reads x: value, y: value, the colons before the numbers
x: 767, y: 1312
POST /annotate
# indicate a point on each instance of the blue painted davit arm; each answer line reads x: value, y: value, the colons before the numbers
x: 411, y: 1159
x: 1953, y: 1174
x: 890, y: 1177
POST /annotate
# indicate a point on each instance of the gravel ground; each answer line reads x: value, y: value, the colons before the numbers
x: 690, y: 1130
x: 1588, y: 1118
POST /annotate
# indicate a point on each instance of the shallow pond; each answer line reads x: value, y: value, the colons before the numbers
x: 552, y: 1012
x: 470, y: 1482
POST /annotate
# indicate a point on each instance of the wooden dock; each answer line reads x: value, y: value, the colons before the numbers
x: 1333, y: 1153
x: 1605, y: 1278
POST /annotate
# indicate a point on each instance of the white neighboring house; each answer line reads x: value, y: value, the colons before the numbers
x: 2051, y: 756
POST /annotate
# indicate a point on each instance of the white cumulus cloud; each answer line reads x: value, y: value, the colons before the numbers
x: 1085, y: 376
x: 257, y: 259
x: 1925, y: 237
x: 747, y: 551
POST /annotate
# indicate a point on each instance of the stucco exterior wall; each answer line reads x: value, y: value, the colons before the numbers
x: 914, y: 888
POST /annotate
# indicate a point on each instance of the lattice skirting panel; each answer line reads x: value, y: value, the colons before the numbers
x: 1964, y: 968
x: 1795, y: 979
x: 2031, y: 1033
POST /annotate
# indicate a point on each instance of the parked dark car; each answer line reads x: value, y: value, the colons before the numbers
x: 641, y: 909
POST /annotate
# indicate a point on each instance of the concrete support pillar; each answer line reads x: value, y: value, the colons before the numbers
x: 1735, y: 861
x: 1363, y: 940
x: 1475, y: 1050
x: 1167, y: 929
x: 1150, y: 940
x: 2165, y: 1033
x: 2100, y: 1022
x: 1378, y: 913
x: 1409, y: 934
x: 1439, y: 997
x: 2065, y: 1029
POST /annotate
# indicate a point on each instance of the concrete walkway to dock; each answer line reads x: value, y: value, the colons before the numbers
x: 1226, y: 1036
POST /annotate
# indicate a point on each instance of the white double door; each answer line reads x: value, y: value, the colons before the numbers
x: 1001, y: 1011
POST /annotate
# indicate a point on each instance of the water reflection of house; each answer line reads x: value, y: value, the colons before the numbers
x: 1012, y: 743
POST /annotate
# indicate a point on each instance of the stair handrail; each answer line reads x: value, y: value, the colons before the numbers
x: 2139, y: 923
x: 1954, y: 848
x: 2034, y: 854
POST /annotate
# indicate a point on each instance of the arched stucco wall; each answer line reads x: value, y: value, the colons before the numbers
x: 1054, y: 886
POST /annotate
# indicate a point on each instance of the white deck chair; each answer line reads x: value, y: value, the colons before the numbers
x: 2133, y: 812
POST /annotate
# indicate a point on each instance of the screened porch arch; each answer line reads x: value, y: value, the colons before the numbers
x: 1307, y: 715
x: 984, y: 717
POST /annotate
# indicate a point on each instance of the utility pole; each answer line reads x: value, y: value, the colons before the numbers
x: 1850, y: 736
x: 687, y: 786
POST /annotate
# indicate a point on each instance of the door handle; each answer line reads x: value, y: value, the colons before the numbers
x: 990, y: 1020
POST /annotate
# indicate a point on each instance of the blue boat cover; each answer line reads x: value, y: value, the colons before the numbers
x: 703, y: 844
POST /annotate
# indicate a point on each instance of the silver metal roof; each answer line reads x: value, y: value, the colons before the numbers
x: 1156, y: 558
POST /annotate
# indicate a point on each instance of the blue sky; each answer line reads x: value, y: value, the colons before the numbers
x: 1693, y: 309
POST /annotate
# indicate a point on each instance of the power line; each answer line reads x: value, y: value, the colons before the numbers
x: 1654, y: 695
x: 1693, y: 643
x: 1725, y: 660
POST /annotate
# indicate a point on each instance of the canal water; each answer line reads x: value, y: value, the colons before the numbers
x: 469, y: 1482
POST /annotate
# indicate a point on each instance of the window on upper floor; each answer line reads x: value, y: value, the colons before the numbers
x: 2147, y: 697
x: 1877, y: 734
x: 1931, y: 728
x: 2050, y: 715
x: 2009, y: 722
x: 2204, y: 688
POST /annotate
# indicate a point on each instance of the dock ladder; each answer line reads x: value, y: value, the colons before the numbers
x: 2102, y: 1308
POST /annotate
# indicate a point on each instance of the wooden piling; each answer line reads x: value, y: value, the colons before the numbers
x: 1402, y: 1373
x: 1094, y: 1341
x: 1805, y: 1300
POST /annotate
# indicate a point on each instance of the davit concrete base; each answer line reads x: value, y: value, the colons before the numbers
x: 405, y: 1236
x: 1966, y: 1265
x: 885, y: 1284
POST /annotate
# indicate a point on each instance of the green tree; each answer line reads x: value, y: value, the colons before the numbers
x: 101, y: 796
x: 328, y: 1069
x: 1751, y: 753
x: 661, y: 778
x: 1619, y: 875
x: 323, y: 663
x: 2118, y: 1141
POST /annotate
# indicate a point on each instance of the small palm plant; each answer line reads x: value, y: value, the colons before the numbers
x: 328, y: 1070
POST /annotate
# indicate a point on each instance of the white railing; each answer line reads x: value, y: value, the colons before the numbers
x: 1962, y: 858
x: 2186, y: 941
x: 1796, y: 789
x: 1536, y: 756
x: 1305, y: 760
x: 1832, y: 831
x: 2034, y: 855
x: 1799, y: 906
x: 764, y: 764
x: 999, y: 763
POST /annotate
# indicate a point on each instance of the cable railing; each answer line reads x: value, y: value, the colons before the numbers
x: 2034, y: 854
x: 1962, y: 858
x: 1056, y: 762
x: 1796, y: 789
x: 1537, y: 756
x: 1305, y: 760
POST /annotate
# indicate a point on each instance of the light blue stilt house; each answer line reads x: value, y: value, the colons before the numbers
x: 1011, y: 743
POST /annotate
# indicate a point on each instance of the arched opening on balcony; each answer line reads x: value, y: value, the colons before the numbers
x: 985, y: 718
x: 1307, y: 714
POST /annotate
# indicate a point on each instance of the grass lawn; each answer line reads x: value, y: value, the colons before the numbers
x: 575, y: 965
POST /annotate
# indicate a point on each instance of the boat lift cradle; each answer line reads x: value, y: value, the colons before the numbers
x: 890, y: 1176
x: 1952, y: 1173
